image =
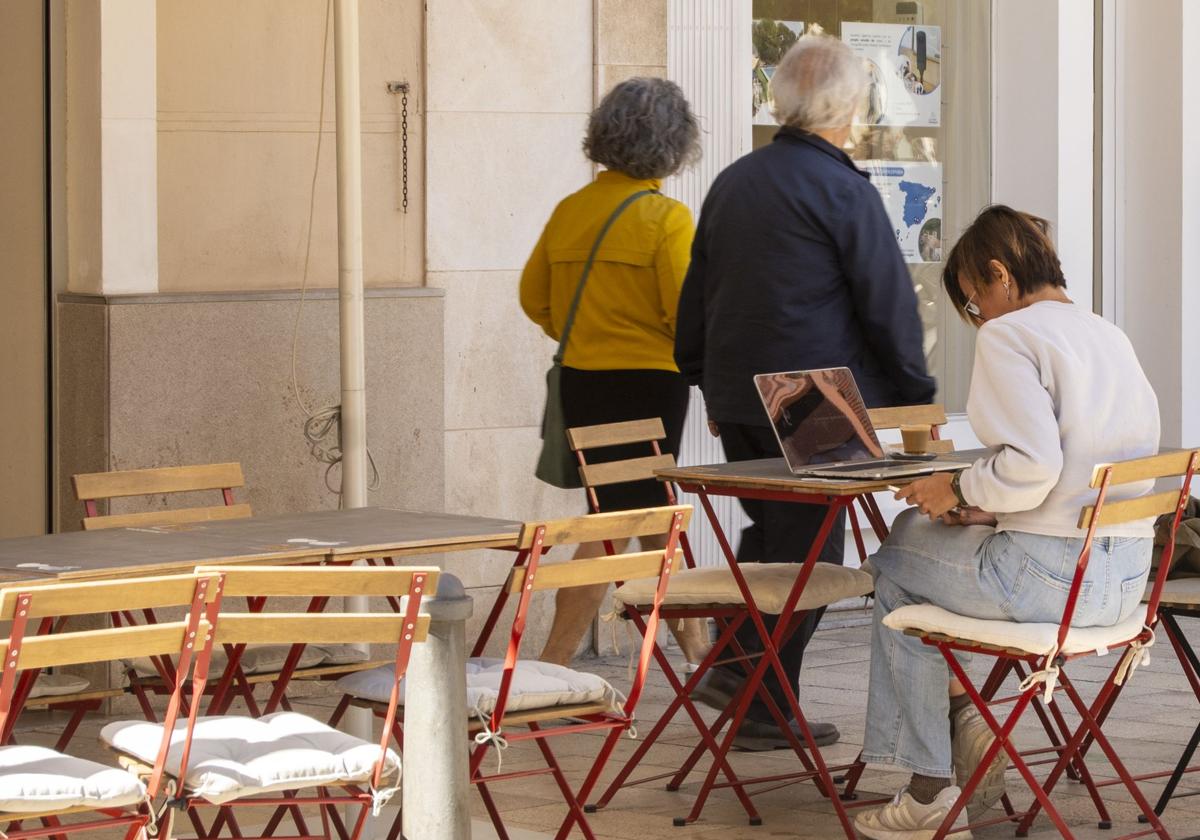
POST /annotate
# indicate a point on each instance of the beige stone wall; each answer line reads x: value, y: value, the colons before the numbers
x: 22, y: 274
x: 238, y: 103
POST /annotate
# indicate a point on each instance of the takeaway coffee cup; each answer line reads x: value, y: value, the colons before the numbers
x: 916, y: 439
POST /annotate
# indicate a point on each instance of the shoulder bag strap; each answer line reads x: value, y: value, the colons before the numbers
x: 587, y: 269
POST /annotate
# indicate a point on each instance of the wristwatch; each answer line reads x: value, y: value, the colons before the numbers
x: 956, y: 486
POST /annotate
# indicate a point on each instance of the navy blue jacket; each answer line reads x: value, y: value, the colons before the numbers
x: 794, y: 267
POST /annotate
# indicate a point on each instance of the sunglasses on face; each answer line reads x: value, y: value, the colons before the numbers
x: 971, y: 307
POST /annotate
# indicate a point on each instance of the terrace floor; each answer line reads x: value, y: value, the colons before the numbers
x: 1150, y: 724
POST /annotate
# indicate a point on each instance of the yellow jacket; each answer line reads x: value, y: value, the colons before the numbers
x: 626, y: 318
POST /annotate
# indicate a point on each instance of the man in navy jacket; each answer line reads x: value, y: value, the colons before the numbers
x: 795, y: 266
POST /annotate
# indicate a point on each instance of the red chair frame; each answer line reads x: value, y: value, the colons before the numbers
x: 411, y: 628
x: 21, y: 643
x: 536, y: 539
x: 1092, y: 717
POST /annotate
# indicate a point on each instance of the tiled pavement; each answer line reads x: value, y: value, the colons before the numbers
x: 1149, y: 726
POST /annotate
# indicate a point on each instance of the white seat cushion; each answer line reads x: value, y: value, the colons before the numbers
x: 54, y: 685
x: 770, y: 583
x: 535, y: 685
x: 1033, y: 638
x: 1182, y: 592
x: 268, y: 659
x: 34, y: 779
x: 234, y: 757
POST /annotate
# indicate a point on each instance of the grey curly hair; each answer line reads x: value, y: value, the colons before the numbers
x: 819, y: 84
x: 644, y: 128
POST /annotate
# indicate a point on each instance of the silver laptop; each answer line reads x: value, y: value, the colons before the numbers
x: 824, y: 430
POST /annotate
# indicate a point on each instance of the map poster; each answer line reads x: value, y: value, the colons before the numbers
x: 905, y: 65
x: 912, y: 195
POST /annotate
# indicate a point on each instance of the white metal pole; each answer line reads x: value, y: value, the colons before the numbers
x: 350, y: 285
x: 350, y: 254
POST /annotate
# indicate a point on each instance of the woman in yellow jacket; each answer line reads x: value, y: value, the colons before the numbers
x: 619, y: 361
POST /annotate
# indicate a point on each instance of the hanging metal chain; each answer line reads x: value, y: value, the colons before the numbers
x: 404, y: 147
x: 402, y: 88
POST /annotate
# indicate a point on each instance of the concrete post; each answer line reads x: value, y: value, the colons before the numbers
x: 435, y: 783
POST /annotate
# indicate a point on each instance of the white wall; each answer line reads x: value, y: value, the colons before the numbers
x: 1189, y: 168
x: 1042, y: 95
x: 1157, y: 297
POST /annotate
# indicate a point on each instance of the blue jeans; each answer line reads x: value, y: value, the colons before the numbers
x: 979, y: 572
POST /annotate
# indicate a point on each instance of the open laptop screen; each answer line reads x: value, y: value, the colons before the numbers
x: 818, y: 416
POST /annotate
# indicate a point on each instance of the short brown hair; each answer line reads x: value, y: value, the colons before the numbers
x: 1019, y: 241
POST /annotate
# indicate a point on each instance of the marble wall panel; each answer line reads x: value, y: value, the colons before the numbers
x: 509, y: 57
x: 493, y: 181
x: 496, y: 358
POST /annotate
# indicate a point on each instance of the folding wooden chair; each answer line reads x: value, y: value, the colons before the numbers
x: 647, y: 433
x: 1047, y: 649
x: 243, y: 669
x: 785, y: 590
x: 1180, y: 599
x: 91, y: 488
x: 514, y: 713
x: 583, y: 439
x: 231, y: 761
x: 42, y: 784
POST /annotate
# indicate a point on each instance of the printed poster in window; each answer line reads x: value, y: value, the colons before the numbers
x: 905, y: 65
x: 912, y: 195
x: 771, y: 39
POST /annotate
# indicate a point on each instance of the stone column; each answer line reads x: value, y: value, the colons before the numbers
x: 435, y: 782
x: 112, y: 146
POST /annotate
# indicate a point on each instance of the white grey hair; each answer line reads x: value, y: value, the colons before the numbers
x: 819, y: 84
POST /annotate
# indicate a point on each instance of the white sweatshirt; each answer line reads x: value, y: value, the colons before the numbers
x: 1055, y: 391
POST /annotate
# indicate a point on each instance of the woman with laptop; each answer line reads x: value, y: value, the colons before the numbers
x: 1055, y: 390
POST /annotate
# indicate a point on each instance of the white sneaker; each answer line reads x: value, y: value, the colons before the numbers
x: 972, y: 737
x: 904, y: 818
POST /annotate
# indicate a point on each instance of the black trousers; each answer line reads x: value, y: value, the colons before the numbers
x: 781, y: 532
x: 591, y: 397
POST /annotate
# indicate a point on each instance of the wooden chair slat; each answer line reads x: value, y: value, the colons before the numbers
x: 618, y: 472
x: 592, y: 570
x: 276, y: 581
x: 109, y: 485
x: 1130, y: 510
x: 907, y: 415
x: 616, y: 434
x: 605, y: 526
x: 1166, y: 465
x: 315, y: 628
x: 77, y: 648
x: 178, y: 516
x: 75, y: 697
x: 63, y: 599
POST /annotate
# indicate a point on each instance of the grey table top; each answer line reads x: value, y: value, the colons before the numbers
x: 288, y: 538
x: 773, y: 474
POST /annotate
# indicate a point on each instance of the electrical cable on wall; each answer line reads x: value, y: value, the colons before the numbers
x: 319, y: 424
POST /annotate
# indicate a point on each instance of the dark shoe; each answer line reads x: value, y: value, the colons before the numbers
x: 756, y: 736
x: 716, y: 689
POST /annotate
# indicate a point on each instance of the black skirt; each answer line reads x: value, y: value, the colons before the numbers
x: 591, y: 397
